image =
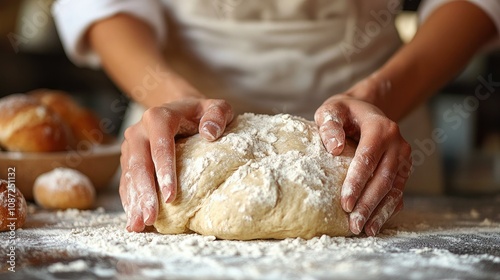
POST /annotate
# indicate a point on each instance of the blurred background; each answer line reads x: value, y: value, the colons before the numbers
x: 31, y: 57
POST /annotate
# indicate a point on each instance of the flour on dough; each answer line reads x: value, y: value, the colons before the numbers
x: 266, y: 177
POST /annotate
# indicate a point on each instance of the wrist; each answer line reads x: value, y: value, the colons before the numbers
x: 163, y: 86
x: 374, y: 89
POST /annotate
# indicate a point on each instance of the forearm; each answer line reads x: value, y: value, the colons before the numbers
x: 132, y: 57
x: 441, y: 48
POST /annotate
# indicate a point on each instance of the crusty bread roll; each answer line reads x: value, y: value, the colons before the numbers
x: 64, y: 188
x: 83, y: 123
x: 28, y: 126
x: 13, y: 208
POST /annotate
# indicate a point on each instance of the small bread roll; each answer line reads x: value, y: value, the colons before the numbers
x: 13, y: 207
x: 64, y: 188
x: 84, y: 124
x: 28, y: 126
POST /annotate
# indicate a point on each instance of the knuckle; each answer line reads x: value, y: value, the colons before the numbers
x: 392, y: 127
x: 220, y: 105
x: 123, y: 146
x: 158, y: 113
x: 386, y: 181
x: 123, y: 161
x: 150, y: 114
x: 364, y: 210
x: 406, y: 149
x: 216, y: 110
x: 396, y: 194
x: 320, y: 114
x: 400, y: 181
x: 389, y: 128
x: 129, y: 133
x: 367, y: 159
x: 355, y: 186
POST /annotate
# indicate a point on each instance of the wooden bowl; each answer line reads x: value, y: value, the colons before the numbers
x: 99, y: 163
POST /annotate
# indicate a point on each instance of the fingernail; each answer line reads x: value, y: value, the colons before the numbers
x: 349, y: 204
x: 358, y: 221
x: 146, y: 215
x: 356, y: 231
x: 347, y: 197
x: 212, y: 130
x: 167, y: 193
x: 373, y: 229
x: 359, y: 225
x: 128, y: 224
x: 332, y: 144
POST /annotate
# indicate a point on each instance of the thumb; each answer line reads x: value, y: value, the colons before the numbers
x: 331, y: 130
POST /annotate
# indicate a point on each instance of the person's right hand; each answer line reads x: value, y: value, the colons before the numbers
x: 148, y: 153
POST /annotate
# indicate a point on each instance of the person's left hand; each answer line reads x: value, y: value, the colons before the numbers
x: 373, y: 189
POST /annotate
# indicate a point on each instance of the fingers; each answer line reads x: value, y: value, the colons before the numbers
x: 331, y: 129
x: 390, y: 205
x: 377, y: 188
x: 362, y: 168
x: 392, y: 193
x: 393, y: 202
x: 372, y: 190
x: 148, y: 153
x: 137, y: 187
x: 217, y: 114
x: 162, y: 125
x: 376, y: 203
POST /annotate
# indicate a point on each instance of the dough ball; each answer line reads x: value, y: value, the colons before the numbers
x: 64, y: 188
x: 13, y: 207
x: 267, y: 177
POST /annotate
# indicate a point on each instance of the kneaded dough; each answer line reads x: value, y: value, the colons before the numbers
x: 267, y: 177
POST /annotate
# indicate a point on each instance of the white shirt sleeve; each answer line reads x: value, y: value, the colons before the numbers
x: 490, y: 7
x: 74, y: 17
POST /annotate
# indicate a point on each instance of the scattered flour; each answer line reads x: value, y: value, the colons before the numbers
x: 79, y: 265
x: 413, y: 242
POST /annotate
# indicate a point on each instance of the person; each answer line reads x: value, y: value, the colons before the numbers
x: 194, y: 64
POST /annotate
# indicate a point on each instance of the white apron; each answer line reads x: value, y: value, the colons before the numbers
x: 274, y: 56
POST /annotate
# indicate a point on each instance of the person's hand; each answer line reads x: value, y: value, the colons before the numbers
x: 148, y: 153
x: 373, y: 189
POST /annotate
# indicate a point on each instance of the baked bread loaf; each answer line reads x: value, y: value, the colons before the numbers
x: 13, y: 208
x: 28, y: 126
x: 47, y: 121
x: 83, y: 123
x: 64, y: 188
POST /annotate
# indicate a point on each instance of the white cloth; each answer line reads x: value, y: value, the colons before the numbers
x: 73, y: 19
x: 273, y: 55
x: 490, y: 7
x: 264, y: 56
